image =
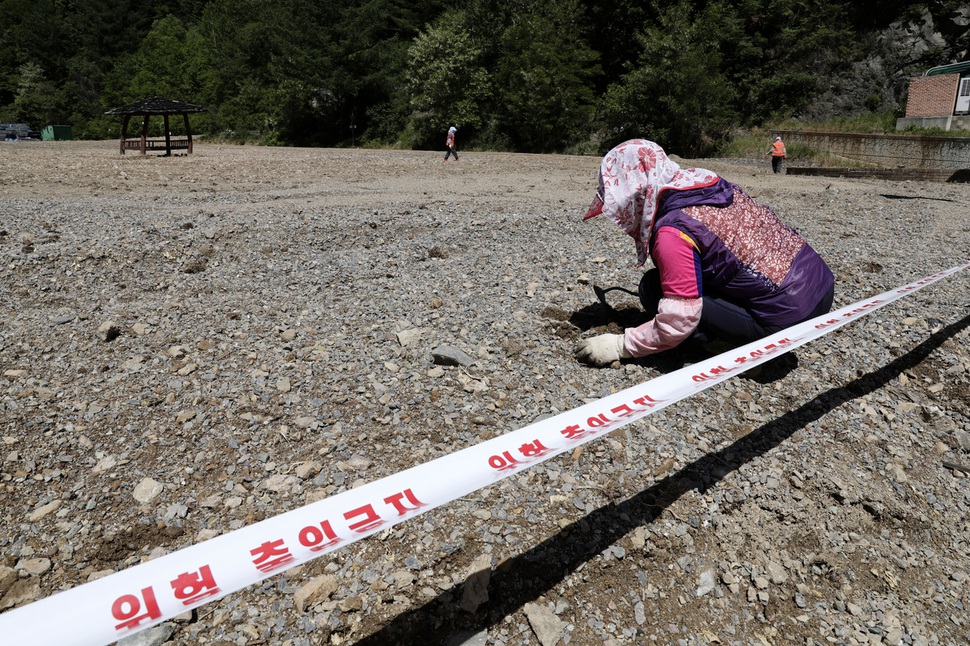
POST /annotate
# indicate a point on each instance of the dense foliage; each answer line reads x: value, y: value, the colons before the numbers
x: 525, y: 75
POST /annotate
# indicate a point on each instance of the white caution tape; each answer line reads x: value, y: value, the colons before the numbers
x: 116, y: 606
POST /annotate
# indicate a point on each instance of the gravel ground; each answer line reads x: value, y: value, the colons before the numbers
x: 192, y: 344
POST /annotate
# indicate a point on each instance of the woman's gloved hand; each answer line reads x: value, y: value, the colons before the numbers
x: 602, y: 350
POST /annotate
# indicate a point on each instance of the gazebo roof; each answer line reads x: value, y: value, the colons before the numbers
x: 156, y: 105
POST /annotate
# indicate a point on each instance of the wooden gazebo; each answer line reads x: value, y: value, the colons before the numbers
x: 146, y: 109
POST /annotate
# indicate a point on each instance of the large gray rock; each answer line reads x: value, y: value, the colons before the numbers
x: 446, y: 355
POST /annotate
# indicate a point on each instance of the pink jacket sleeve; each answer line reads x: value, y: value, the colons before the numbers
x: 674, y: 253
x: 676, y: 319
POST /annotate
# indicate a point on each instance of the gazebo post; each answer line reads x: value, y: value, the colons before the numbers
x: 144, y: 134
x: 124, y: 132
x: 168, y: 136
x: 188, y: 130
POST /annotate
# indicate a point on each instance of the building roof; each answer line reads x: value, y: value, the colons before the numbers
x: 156, y: 105
x: 952, y: 68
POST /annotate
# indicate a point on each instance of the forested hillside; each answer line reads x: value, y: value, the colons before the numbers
x: 523, y: 75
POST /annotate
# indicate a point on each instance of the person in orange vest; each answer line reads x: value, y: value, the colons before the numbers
x: 450, y: 143
x: 777, y: 153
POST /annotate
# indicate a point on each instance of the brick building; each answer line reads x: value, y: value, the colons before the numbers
x: 940, y: 98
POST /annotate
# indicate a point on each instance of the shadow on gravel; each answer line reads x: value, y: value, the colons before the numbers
x: 604, y: 318
x: 676, y: 358
x: 525, y: 578
x: 914, y: 197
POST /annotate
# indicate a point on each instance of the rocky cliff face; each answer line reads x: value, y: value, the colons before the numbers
x: 879, y: 82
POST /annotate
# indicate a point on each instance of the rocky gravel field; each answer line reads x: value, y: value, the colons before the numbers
x: 191, y: 344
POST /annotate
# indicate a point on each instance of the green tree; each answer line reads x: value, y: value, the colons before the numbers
x: 677, y: 94
x: 32, y: 33
x: 447, y: 81
x: 160, y: 67
x: 545, y: 77
x: 307, y: 72
x: 275, y: 61
x: 104, y: 31
x: 782, y: 53
x: 36, y: 102
x: 171, y: 62
x: 612, y: 29
x: 375, y: 36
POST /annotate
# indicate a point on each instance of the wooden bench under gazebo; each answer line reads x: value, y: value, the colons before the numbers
x: 156, y: 106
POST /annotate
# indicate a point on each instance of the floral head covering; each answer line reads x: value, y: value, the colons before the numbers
x: 631, y: 179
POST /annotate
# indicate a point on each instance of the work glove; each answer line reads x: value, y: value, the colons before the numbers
x: 602, y: 350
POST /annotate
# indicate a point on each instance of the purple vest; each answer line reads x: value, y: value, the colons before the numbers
x: 746, y: 255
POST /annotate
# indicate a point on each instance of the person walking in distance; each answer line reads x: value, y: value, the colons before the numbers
x: 450, y: 143
x: 777, y: 153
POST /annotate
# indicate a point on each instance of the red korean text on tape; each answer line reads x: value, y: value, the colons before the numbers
x: 123, y: 603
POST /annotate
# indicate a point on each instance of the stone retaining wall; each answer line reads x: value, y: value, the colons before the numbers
x: 885, y: 151
x: 949, y: 122
x: 894, y: 174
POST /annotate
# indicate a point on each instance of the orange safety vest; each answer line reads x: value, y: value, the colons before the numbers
x: 778, y: 149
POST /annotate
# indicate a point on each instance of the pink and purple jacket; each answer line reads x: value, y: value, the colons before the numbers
x: 718, y: 240
x: 705, y: 236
